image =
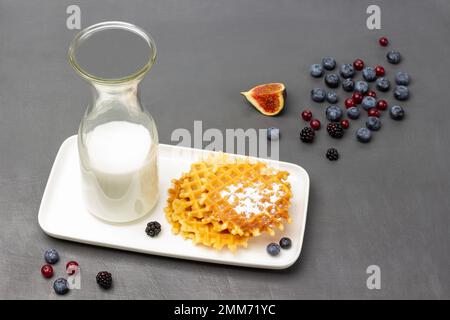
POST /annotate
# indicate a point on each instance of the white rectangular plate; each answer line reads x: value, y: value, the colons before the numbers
x: 62, y: 214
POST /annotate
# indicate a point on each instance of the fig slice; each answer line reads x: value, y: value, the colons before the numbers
x: 267, y: 98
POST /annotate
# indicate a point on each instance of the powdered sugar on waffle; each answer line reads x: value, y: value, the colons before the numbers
x: 252, y: 200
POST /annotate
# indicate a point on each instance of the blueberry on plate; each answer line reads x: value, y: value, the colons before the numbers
x: 51, y: 256
x: 332, y: 97
x: 332, y: 80
x: 353, y: 113
x: 316, y: 70
x: 318, y: 95
x: 61, y: 286
x: 401, y: 93
x: 383, y: 84
x: 348, y: 85
x: 363, y: 135
x: 369, y: 74
x: 347, y: 70
x: 396, y: 112
x: 373, y: 123
x: 393, y: 57
x: 285, y: 243
x: 273, y: 249
x: 361, y: 87
x: 273, y: 133
x: 402, y: 78
x: 328, y: 63
x: 368, y: 102
x: 334, y: 113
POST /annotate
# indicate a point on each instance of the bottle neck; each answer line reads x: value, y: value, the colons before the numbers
x: 125, y: 94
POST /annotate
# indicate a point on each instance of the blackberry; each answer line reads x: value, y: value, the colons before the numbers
x: 153, y: 228
x: 332, y: 154
x: 307, y: 135
x: 335, y: 130
x: 104, y: 279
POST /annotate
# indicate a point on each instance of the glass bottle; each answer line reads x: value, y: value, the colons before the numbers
x: 117, y: 138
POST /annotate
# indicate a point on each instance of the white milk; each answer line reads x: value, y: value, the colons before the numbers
x: 119, y: 171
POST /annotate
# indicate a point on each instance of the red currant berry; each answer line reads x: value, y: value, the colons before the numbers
x: 315, y: 124
x: 358, y: 64
x: 71, y: 267
x: 379, y: 70
x: 345, y: 124
x: 371, y: 93
x: 47, y: 271
x: 306, y: 115
x: 357, y: 97
x: 373, y: 112
x: 383, y: 41
x: 382, y: 105
x: 349, y: 103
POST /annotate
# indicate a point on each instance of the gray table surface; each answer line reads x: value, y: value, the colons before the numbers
x: 384, y: 203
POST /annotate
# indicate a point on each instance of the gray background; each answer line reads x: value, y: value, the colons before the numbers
x: 384, y: 203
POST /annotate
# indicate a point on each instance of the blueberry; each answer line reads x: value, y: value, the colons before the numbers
x: 51, y: 256
x: 393, y: 57
x: 363, y: 135
x: 353, y: 113
x: 318, y: 95
x: 401, y: 93
x: 332, y: 80
x: 273, y: 133
x: 383, y: 84
x: 285, y: 243
x: 369, y: 74
x: 316, y: 70
x: 396, y: 112
x: 329, y: 63
x: 273, y: 249
x: 61, y: 286
x: 332, y: 97
x: 402, y: 78
x: 334, y: 113
x: 347, y: 70
x: 361, y: 86
x: 348, y: 85
x: 373, y: 123
x: 369, y: 102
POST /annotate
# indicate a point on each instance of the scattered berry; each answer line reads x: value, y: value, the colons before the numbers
x: 332, y: 97
x: 285, y: 243
x: 306, y: 115
x: 379, y: 70
x: 361, y: 87
x: 383, y: 41
x: 273, y: 249
x: 393, y: 57
x: 153, y: 228
x: 396, y: 112
x: 335, y: 130
x: 347, y: 70
x: 369, y: 74
x: 368, y: 102
x: 373, y: 112
x: 334, y: 113
x: 332, y: 154
x: 316, y: 70
x: 382, y: 105
x: 315, y: 124
x: 349, y: 103
x: 51, y: 256
x: 358, y: 64
x: 401, y: 93
x: 357, y: 97
x: 307, y: 135
x: 363, y: 135
x: 383, y: 84
x: 402, y: 78
x: 345, y: 124
x: 332, y: 80
x: 318, y: 95
x: 71, y: 267
x: 348, y: 85
x: 104, y: 279
x: 373, y: 123
x: 329, y: 63
x: 371, y: 93
x: 273, y: 134
x: 353, y: 113
x: 61, y: 286
x: 47, y: 271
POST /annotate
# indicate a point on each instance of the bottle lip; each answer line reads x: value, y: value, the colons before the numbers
x: 83, y: 34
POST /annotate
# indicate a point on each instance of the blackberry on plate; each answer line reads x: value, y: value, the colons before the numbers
x: 393, y: 57
x: 104, y: 279
x: 285, y: 243
x: 348, y: 85
x: 383, y: 84
x: 353, y: 113
x: 153, y: 228
x: 273, y: 249
x: 332, y: 97
x: 334, y: 113
x: 332, y: 80
x: 51, y: 256
x: 402, y: 78
x: 347, y: 70
x: 396, y: 112
x: 273, y: 133
x: 332, y: 154
x: 318, y: 95
x: 369, y: 74
x: 361, y: 87
x: 316, y: 70
x: 328, y: 63
x: 373, y: 123
x: 61, y: 286
x: 335, y: 130
x: 363, y: 135
x: 368, y: 102
x: 401, y: 93
x: 307, y: 135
